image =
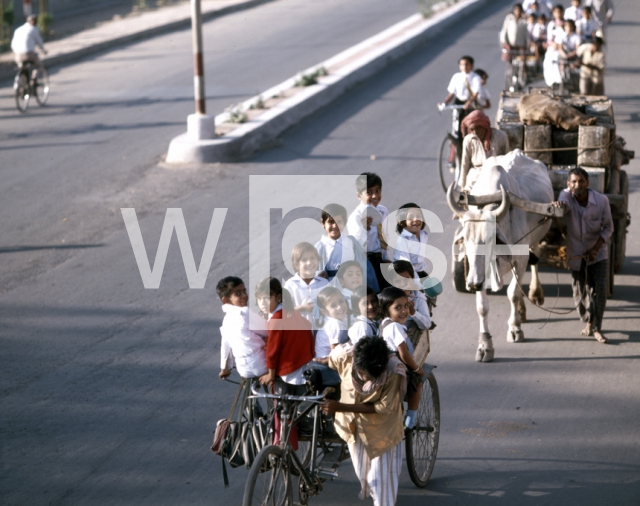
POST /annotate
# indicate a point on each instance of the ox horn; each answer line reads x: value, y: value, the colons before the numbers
x: 504, y: 205
x: 457, y: 209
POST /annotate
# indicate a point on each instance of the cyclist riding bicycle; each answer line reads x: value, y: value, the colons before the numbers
x: 24, y: 42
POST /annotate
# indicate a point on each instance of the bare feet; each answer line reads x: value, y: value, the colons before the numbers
x: 587, y: 331
x: 599, y: 337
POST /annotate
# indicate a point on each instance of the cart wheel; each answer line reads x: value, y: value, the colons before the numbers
x: 460, y: 268
x: 621, y: 225
x: 421, y: 443
x: 269, y: 480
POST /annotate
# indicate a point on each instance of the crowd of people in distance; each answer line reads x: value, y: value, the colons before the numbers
x: 326, y: 312
x: 559, y: 37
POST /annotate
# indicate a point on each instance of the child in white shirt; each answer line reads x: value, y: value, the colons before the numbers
x: 394, y: 309
x: 332, y: 329
x: 574, y: 12
x: 305, y: 285
x: 364, y: 307
x: 348, y: 279
x: 418, y: 307
x: 243, y: 332
x: 484, y: 97
x: 586, y: 26
x: 337, y: 247
x: 370, y: 235
x: 412, y: 238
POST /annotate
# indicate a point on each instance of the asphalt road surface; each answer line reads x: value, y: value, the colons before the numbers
x: 109, y: 392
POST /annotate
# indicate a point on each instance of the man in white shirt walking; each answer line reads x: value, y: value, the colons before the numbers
x: 24, y: 43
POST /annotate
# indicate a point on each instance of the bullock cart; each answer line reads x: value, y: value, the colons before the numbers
x: 562, y: 145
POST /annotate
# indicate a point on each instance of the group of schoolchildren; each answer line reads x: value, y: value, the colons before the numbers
x: 327, y: 303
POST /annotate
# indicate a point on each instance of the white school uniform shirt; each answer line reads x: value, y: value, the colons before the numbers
x: 408, y: 248
x: 458, y: 84
x: 302, y: 293
x: 544, y: 7
x: 422, y: 317
x: 555, y: 33
x: 326, y: 245
x: 243, y: 333
x: 573, y: 13
x: 363, y: 327
x: 587, y: 27
x: 483, y: 96
x: 394, y: 335
x: 570, y: 42
x: 539, y: 32
x: 368, y: 239
x: 332, y: 332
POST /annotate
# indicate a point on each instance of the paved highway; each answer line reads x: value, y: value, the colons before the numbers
x: 109, y: 392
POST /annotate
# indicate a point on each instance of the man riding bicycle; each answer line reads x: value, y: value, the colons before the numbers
x: 24, y: 42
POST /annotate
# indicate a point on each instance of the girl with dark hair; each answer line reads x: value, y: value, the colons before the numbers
x: 413, y: 236
x: 290, y: 344
x: 332, y: 329
x: 395, y: 309
x: 369, y: 415
x: 364, y: 306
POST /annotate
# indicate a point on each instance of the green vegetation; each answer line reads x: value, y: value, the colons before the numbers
x: 236, y: 114
x: 311, y: 78
x: 258, y: 104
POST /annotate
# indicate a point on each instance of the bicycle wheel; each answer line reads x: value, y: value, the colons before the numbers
x: 41, y: 87
x: 508, y: 76
x: 21, y: 89
x: 448, y: 170
x: 269, y: 480
x: 422, y: 441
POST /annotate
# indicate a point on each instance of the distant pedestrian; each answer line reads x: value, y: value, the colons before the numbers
x: 592, y: 67
x: 24, y: 43
x: 589, y: 228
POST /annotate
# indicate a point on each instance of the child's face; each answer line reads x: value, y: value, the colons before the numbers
x: 399, y: 310
x: 407, y: 286
x: 531, y: 20
x: 352, y: 278
x: 238, y: 296
x: 308, y: 265
x: 368, y: 306
x: 465, y: 66
x: 558, y: 14
x: 371, y: 196
x: 568, y: 28
x: 542, y: 21
x: 333, y: 227
x: 336, y: 307
x: 575, y: 3
x: 268, y: 303
x: 414, y: 221
x: 586, y: 14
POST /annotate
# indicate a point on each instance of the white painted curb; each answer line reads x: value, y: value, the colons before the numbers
x: 377, y: 52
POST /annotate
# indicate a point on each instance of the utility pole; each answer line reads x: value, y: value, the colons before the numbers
x: 199, y: 125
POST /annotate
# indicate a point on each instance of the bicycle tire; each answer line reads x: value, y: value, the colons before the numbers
x: 448, y: 174
x: 269, y: 480
x: 508, y: 76
x: 41, y: 88
x: 21, y: 90
x: 421, y: 443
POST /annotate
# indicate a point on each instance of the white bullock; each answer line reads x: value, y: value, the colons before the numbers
x: 503, y: 224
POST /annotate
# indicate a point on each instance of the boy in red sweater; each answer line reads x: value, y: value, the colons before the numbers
x: 290, y: 344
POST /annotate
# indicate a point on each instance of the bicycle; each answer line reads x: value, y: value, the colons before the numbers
x: 516, y: 75
x: 24, y: 87
x: 450, y: 145
x: 269, y: 480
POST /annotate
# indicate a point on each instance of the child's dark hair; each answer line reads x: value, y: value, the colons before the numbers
x: 333, y: 211
x: 371, y: 355
x: 483, y: 73
x: 271, y: 286
x: 402, y: 216
x: 299, y: 250
x: 387, y: 297
x: 587, y: 8
x: 357, y: 295
x: 226, y: 285
x: 467, y: 58
x: 321, y: 302
x: 401, y: 266
x: 367, y: 180
x: 571, y: 23
x: 345, y: 265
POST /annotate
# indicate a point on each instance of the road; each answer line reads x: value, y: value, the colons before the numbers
x: 109, y: 391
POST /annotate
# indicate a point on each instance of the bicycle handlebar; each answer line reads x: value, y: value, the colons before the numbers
x: 442, y: 107
x: 295, y: 398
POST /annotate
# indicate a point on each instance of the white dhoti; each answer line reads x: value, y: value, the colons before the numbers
x: 379, y: 476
